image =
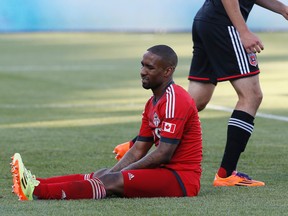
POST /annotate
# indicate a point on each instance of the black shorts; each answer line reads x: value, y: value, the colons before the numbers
x: 218, y: 54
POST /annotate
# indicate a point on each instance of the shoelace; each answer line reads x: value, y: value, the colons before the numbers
x: 31, y: 177
x: 243, y: 175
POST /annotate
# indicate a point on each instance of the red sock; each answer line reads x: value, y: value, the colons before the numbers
x: 67, y: 178
x: 222, y: 173
x: 84, y: 189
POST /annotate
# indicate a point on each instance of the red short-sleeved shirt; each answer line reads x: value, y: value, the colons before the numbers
x: 172, y: 119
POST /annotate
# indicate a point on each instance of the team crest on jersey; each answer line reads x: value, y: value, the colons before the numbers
x: 156, y: 120
x: 252, y: 59
x: 168, y: 127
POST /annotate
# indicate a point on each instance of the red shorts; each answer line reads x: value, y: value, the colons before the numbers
x: 160, y: 182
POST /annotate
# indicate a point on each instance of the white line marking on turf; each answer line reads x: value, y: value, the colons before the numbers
x: 36, y: 68
x: 74, y: 122
x: 65, y: 106
x: 262, y: 115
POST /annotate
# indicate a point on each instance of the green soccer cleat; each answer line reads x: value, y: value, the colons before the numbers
x: 23, y: 181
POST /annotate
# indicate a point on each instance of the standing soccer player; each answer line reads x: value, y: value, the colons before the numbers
x: 170, y: 120
x: 224, y: 50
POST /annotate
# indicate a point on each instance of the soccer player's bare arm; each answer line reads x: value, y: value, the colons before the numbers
x: 275, y: 6
x: 135, y: 153
x: 250, y: 41
x: 161, y: 155
x: 232, y: 9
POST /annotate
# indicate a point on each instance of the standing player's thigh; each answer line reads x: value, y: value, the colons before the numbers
x: 158, y: 182
x: 201, y: 92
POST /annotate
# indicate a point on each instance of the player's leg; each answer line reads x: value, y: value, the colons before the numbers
x: 114, y: 183
x: 132, y: 183
x: 65, y: 178
x: 240, y: 128
x: 93, y: 188
x: 159, y: 182
x: 201, y: 93
x: 83, y: 189
x: 26, y: 187
x: 249, y: 94
x: 229, y: 61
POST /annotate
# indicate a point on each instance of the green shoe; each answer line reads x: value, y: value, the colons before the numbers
x: 23, y: 181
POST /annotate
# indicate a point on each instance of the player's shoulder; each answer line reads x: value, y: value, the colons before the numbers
x: 175, y: 87
x: 178, y: 90
x: 180, y: 94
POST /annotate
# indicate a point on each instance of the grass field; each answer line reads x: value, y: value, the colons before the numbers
x: 67, y: 99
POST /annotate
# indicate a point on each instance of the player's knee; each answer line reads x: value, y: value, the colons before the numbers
x: 114, y: 183
x: 100, y: 172
x: 256, y: 98
x: 259, y: 97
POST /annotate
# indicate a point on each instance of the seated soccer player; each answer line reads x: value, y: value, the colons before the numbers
x: 172, y: 169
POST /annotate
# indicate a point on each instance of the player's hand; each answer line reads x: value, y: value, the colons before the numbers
x: 251, y: 42
x: 121, y: 149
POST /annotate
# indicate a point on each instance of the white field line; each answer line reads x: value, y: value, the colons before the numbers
x: 48, y: 106
x: 74, y: 122
x: 36, y: 68
x: 262, y: 115
x: 67, y: 106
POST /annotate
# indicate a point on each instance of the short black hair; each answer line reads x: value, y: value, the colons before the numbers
x: 166, y: 53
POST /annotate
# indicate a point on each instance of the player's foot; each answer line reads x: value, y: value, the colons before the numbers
x: 236, y: 179
x: 23, y: 181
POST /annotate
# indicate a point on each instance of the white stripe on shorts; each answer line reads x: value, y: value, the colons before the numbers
x: 239, y: 50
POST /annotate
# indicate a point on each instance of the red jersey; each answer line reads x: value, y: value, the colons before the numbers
x: 174, y: 119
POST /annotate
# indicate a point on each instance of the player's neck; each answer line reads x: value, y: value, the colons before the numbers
x: 158, y: 93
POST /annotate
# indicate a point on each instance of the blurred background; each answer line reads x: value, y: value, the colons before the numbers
x: 113, y: 15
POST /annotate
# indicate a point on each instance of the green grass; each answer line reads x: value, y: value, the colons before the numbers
x: 67, y: 99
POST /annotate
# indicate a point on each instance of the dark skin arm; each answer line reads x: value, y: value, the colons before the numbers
x: 161, y: 155
x: 137, y: 157
x: 135, y: 153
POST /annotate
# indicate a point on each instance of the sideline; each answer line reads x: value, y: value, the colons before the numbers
x: 262, y: 115
x: 63, y: 106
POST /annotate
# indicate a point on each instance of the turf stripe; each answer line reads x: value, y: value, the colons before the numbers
x: 259, y: 114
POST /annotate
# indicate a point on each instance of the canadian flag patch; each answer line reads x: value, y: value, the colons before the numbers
x: 168, y: 127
